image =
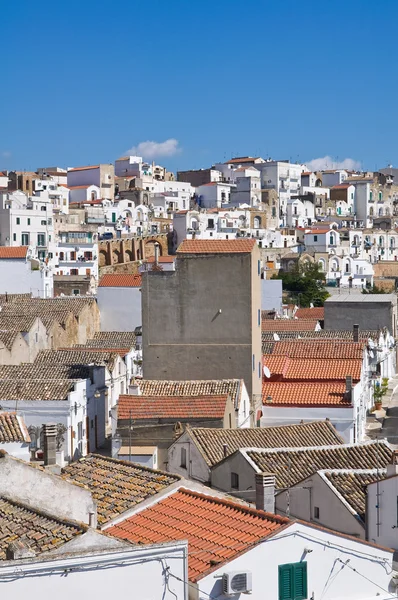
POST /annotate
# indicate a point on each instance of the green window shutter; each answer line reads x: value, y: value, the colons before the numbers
x: 292, y: 579
x: 300, y: 581
x: 285, y: 582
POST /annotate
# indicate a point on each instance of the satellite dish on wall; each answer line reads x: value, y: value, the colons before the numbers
x: 276, y: 337
x: 266, y: 372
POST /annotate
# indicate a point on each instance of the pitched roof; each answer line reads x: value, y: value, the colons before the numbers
x: 14, y: 389
x: 211, y: 387
x: 292, y: 465
x: 13, y: 251
x: 161, y: 259
x: 328, y: 393
x: 289, y: 325
x: 318, y: 312
x: 120, y: 280
x: 114, y: 338
x: 312, y: 369
x: 76, y: 357
x: 351, y: 485
x: 238, y: 246
x: 217, y: 530
x: 324, y: 348
x: 319, y: 335
x: 172, y: 407
x: 41, y: 371
x: 8, y: 336
x: 242, y: 159
x: 116, y: 485
x: 210, y: 441
x: 12, y: 428
x: 42, y: 307
x: 38, y: 531
x: 82, y: 168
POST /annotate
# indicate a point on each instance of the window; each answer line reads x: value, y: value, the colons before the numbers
x: 234, y: 481
x: 25, y: 239
x: 41, y: 239
x: 331, y: 239
x: 18, y: 221
x: 259, y: 317
x: 14, y: 237
x: 273, y: 211
x: 380, y: 195
x: 41, y: 222
x: 293, y: 581
x: 74, y: 271
x: 259, y: 267
x: 316, y: 512
x: 259, y: 370
x: 88, y: 255
x: 183, y: 458
x: 315, y: 238
x: 28, y: 221
x: 88, y: 272
x: 210, y: 224
x: 43, y: 208
x: 73, y: 255
x: 74, y: 292
x: 253, y: 361
x: 61, y: 256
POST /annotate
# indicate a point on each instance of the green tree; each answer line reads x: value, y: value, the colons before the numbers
x: 305, y: 284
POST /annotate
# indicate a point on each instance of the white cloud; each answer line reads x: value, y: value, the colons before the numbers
x: 6, y: 154
x: 327, y: 162
x: 150, y: 149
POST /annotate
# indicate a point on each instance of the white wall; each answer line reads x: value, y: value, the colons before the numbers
x: 17, y: 449
x: 341, y: 418
x: 328, y: 578
x: 386, y: 534
x: 120, y: 308
x: 17, y: 277
x: 137, y: 573
x: 271, y: 294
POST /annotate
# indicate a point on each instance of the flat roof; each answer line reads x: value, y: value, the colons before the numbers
x: 363, y: 298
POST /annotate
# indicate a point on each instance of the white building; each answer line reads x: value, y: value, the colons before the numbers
x: 102, y: 176
x: 27, y: 221
x: 22, y: 273
x: 83, y: 193
x: 213, y: 195
x: 282, y: 176
x: 382, y: 507
x: 300, y: 211
x: 124, y: 291
x: 333, y: 177
x: 14, y: 436
x: 77, y: 253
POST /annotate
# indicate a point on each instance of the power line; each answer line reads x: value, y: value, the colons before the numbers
x: 367, y: 579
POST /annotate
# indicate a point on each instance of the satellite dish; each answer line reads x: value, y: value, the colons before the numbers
x: 371, y: 343
x: 276, y: 337
x: 266, y: 372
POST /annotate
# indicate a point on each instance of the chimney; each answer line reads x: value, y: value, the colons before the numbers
x: 50, y: 443
x: 392, y: 468
x: 156, y: 254
x: 225, y: 450
x: 17, y: 550
x: 265, y: 492
x: 134, y: 388
x: 355, y: 333
x: 348, y: 386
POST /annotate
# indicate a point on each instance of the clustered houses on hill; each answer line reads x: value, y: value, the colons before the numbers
x: 191, y: 431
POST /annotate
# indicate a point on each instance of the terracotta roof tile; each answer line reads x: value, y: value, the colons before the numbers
x: 242, y: 159
x: 311, y: 369
x: 119, y: 339
x: 13, y: 251
x: 116, y: 485
x: 318, y: 312
x: 318, y: 335
x: 303, y: 462
x: 40, y: 532
x: 76, y: 357
x: 210, y: 441
x: 120, y: 280
x: 305, y: 393
x: 289, y: 325
x: 351, y: 485
x: 41, y: 371
x: 324, y: 348
x: 216, y: 530
x: 12, y: 428
x: 215, y: 387
x: 172, y: 407
x: 35, y: 389
x: 217, y: 246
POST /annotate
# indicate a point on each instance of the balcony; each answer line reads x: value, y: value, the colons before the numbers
x: 70, y: 239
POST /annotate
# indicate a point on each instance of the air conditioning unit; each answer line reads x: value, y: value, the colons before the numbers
x: 237, y: 582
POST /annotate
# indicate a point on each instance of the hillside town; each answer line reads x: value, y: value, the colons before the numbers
x: 198, y: 381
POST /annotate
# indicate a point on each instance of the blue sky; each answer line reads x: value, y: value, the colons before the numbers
x: 84, y: 81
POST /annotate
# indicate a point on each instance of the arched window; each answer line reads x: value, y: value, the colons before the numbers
x: 331, y: 239
x: 371, y: 211
x: 43, y: 208
x: 380, y: 212
x: 257, y: 222
x: 322, y: 264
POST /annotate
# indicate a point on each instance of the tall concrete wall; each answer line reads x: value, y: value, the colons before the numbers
x: 202, y: 321
x: 368, y: 311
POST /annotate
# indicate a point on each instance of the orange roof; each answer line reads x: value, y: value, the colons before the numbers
x: 329, y: 393
x: 79, y: 187
x: 289, y: 324
x: 83, y: 168
x: 120, y: 280
x: 306, y: 173
x: 172, y: 407
x: 323, y: 348
x: 162, y: 259
x: 13, y: 251
x: 217, y: 530
x: 216, y: 246
x: 342, y: 186
x: 318, y: 312
x: 302, y: 369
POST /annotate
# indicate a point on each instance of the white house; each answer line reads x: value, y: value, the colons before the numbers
x: 83, y: 193
x: 76, y: 252
x: 21, y: 272
x: 300, y: 211
x: 213, y: 195
x: 382, y: 507
x: 234, y: 550
x: 282, y: 176
x: 102, y: 176
x: 124, y: 291
x: 333, y: 177
x: 14, y: 435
